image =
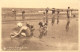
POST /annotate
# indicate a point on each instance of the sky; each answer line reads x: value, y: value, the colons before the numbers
x: 39, y: 3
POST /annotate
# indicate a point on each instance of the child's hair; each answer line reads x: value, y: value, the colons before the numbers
x: 27, y: 25
x: 32, y: 26
x: 40, y: 23
x: 45, y: 23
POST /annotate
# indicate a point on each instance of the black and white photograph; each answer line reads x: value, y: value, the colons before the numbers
x: 39, y: 25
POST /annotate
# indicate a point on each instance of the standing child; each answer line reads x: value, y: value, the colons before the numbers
x: 68, y: 19
x: 58, y: 16
x: 53, y: 15
x: 32, y: 30
x: 44, y: 17
x: 45, y: 28
x: 41, y: 29
x: 46, y: 14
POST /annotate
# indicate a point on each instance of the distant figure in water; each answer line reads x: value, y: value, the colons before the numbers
x: 23, y: 15
x: 68, y: 19
x: 58, y: 16
x: 44, y: 17
x: 46, y: 14
x: 53, y: 15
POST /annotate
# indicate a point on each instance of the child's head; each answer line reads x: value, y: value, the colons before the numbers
x: 31, y: 26
x: 27, y: 25
x: 45, y: 23
x: 41, y: 24
x: 19, y: 24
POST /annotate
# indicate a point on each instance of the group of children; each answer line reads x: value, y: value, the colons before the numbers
x: 28, y: 29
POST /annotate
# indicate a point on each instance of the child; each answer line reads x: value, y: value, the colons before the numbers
x: 31, y: 27
x: 41, y: 29
x: 20, y: 31
x: 45, y: 29
x: 68, y: 19
x: 53, y: 15
x: 16, y: 30
x: 32, y: 30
